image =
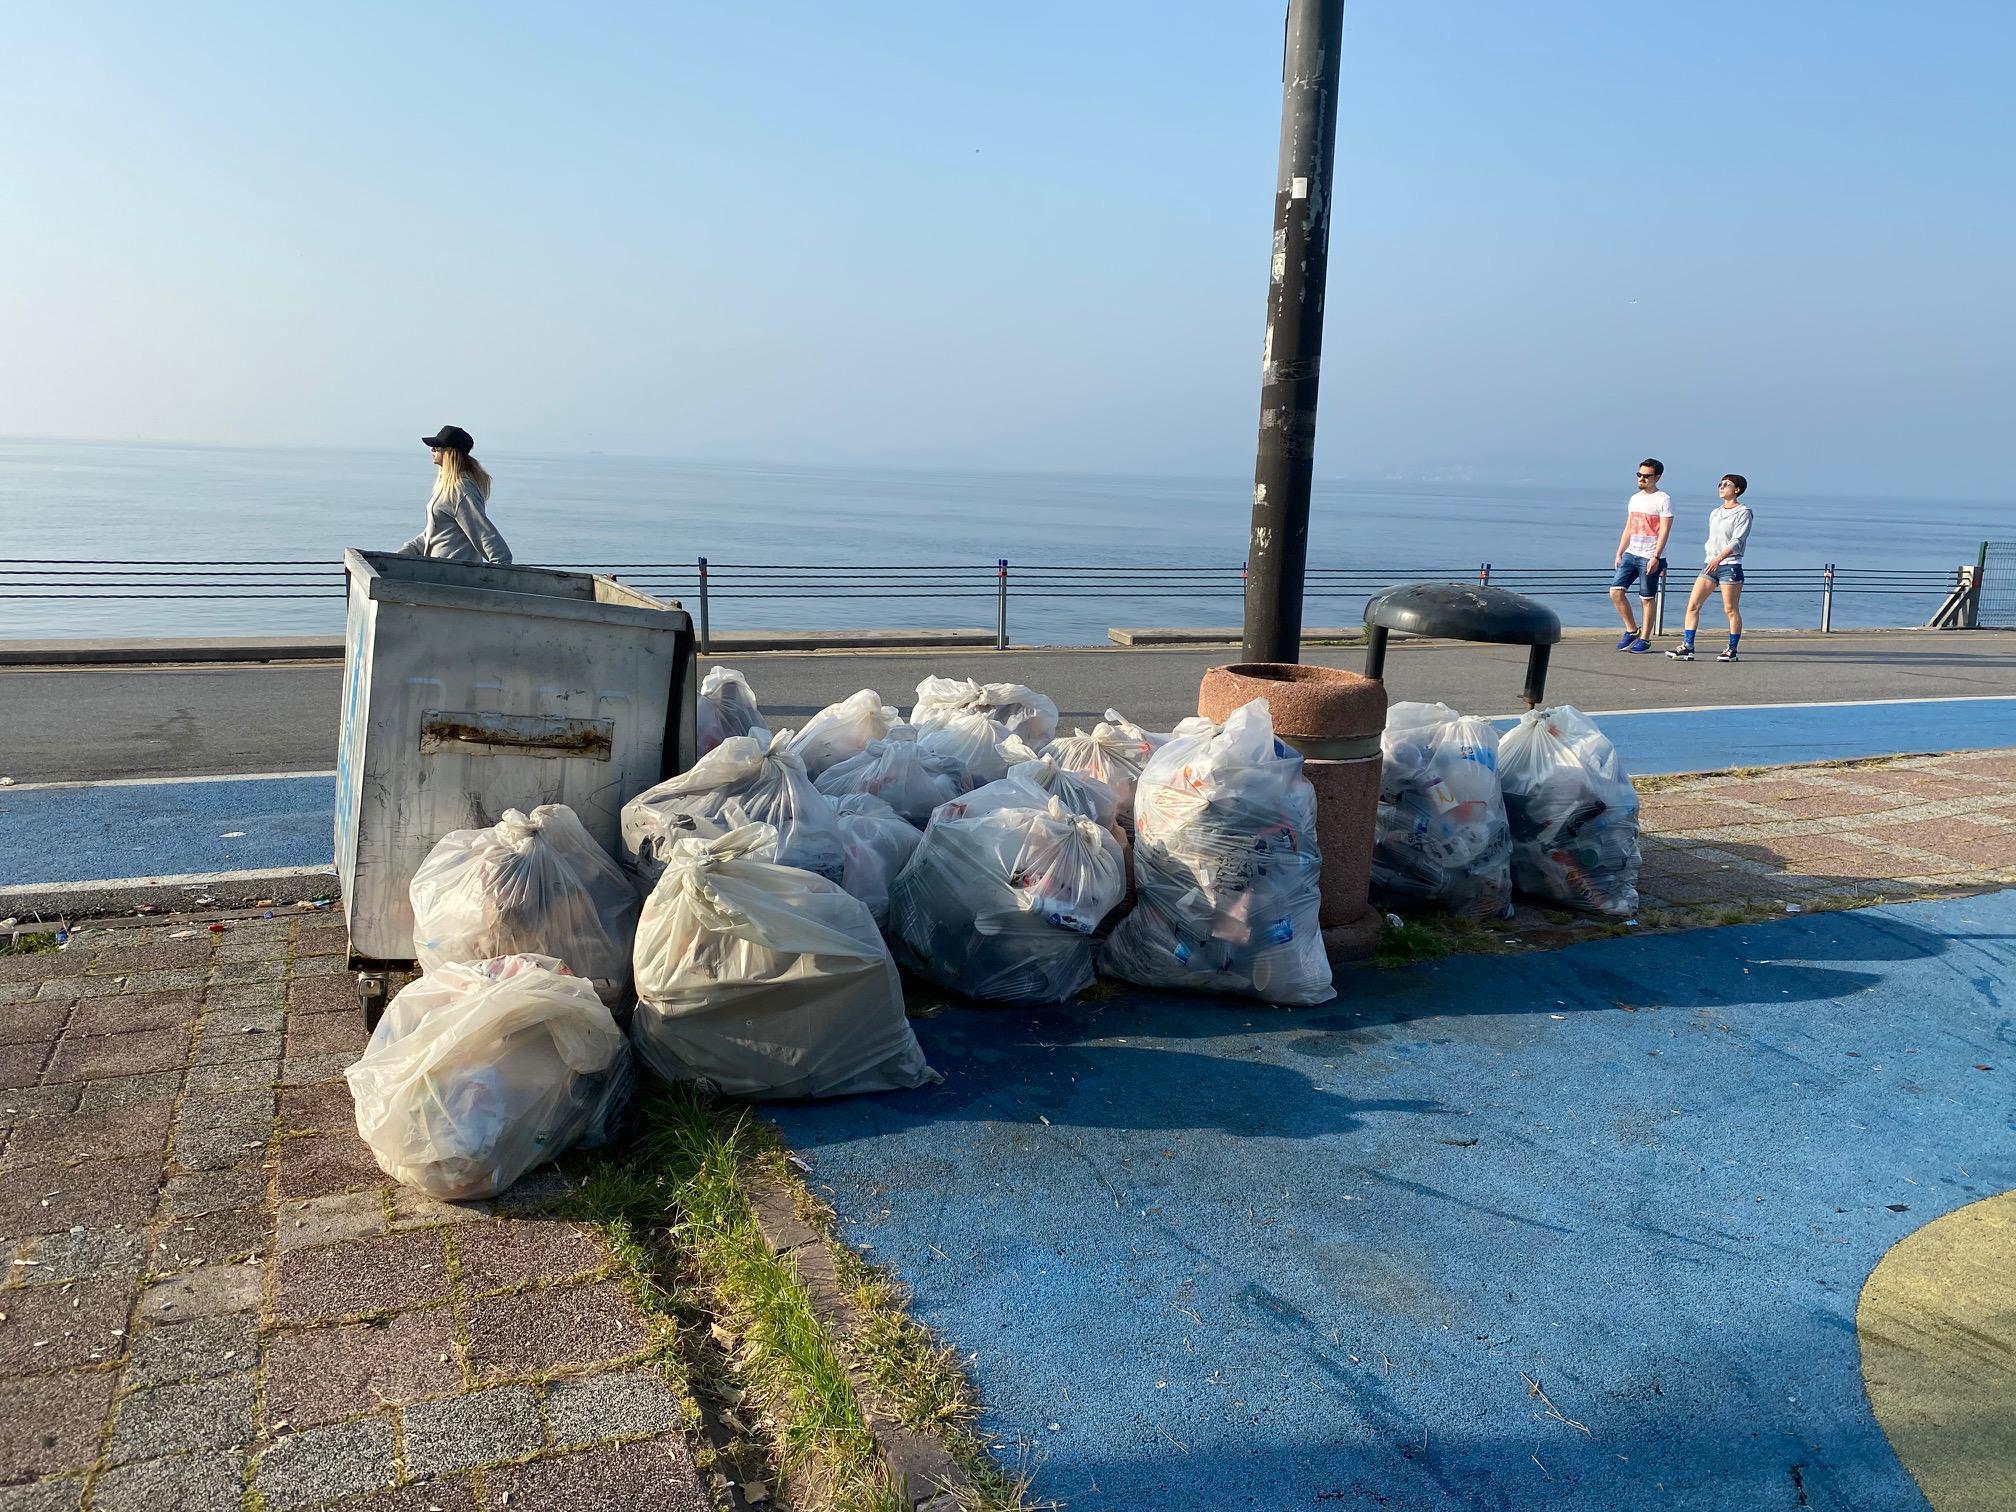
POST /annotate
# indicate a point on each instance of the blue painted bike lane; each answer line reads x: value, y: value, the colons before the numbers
x: 1207, y: 1254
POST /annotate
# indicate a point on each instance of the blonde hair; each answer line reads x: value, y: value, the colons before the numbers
x: 458, y: 467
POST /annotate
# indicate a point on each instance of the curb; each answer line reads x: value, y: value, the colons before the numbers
x: 173, y: 894
x: 924, y: 1473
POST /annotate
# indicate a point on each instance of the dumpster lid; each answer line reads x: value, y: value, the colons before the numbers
x: 546, y: 592
x: 1464, y: 611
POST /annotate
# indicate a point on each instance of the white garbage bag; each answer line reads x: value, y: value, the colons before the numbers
x: 1442, y: 834
x: 747, y: 779
x: 1115, y: 752
x: 726, y: 707
x: 1227, y: 867
x: 1001, y: 906
x: 1032, y: 784
x: 880, y: 842
x: 1016, y: 709
x: 900, y: 771
x: 841, y: 730
x: 1573, y: 812
x: 480, y: 1071
x: 761, y: 980
x: 535, y: 884
x: 974, y: 748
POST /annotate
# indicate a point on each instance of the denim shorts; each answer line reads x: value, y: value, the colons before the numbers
x: 1632, y: 568
x: 1728, y: 571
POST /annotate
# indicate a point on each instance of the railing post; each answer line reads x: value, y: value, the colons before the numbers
x: 1001, y: 604
x: 1827, y: 598
x: 1974, y: 593
x: 706, y: 638
x: 1659, y: 605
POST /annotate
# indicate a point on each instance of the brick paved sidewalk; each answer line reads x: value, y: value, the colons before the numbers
x: 1813, y: 836
x: 214, y: 1299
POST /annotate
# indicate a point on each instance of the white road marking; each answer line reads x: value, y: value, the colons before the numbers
x: 181, y: 879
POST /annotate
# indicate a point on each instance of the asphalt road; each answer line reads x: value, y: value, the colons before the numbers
x: 70, y: 724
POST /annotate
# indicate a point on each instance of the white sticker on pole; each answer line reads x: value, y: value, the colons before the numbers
x: 1298, y: 188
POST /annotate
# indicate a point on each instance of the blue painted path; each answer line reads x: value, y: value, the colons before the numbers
x: 72, y: 834
x: 1658, y: 741
x: 112, y: 830
x: 1206, y: 1254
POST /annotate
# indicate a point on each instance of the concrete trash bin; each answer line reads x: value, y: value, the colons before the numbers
x: 471, y: 689
x: 1334, y: 719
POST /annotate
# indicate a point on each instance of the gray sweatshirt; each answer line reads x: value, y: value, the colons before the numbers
x: 459, y: 530
x: 1728, y: 530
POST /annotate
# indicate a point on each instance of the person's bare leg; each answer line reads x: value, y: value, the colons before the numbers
x: 1696, y: 598
x: 1621, y: 602
x: 1732, y: 605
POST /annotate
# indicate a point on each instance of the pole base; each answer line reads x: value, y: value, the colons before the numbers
x: 1344, y: 943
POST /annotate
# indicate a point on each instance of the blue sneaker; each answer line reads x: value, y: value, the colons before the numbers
x: 1624, y: 640
x: 1639, y: 647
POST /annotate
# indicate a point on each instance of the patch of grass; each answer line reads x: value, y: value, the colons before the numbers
x: 28, y: 944
x: 674, y: 1205
x: 1429, y: 936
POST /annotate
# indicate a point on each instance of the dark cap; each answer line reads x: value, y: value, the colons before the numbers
x: 451, y: 438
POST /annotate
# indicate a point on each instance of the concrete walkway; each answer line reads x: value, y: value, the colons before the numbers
x: 1577, y: 1230
x: 214, y: 1299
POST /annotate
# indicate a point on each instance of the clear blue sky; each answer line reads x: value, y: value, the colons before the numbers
x: 1776, y: 238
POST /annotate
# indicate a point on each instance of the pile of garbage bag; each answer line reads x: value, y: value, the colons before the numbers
x: 762, y: 980
x: 1572, y: 810
x: 1016, y: 710
x: 726, y: 707
x: 902, y: 772
x: 747, y: 779
x: 880, y: 842
x: 1227, y: 868
x: 480, y: 1071
x: 841, y: 730
x: 1001, y: 905
x: 533, y: 884
x: 1442, y: 834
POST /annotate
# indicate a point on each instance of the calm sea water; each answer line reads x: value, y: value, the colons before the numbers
x: 159, y: 504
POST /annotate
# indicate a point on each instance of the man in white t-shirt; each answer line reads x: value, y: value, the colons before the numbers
x: 1641, y: 553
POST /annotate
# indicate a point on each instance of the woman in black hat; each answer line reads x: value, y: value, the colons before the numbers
x: 458, y: 524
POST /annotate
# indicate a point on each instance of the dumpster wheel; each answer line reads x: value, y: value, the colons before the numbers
x: 374, y: 989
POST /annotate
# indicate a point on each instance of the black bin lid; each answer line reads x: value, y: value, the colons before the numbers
x: 1464, y: 611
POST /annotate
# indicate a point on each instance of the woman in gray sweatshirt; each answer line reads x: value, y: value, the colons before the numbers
x: 458, y: 520
x: 1722, y: 567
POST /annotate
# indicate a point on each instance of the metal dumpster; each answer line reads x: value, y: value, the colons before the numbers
x: 471, y: 689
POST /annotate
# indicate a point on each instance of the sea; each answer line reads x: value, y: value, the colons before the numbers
x: 94, y: 538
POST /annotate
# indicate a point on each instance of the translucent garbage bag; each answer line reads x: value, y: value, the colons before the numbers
x: 726, y: 707
x: 1115, y: 752
x: 1032, y: 784
x: 973, y: 747
x: 1442, y: 834
x: 880, y: 842
x: 747, y: 779
x: 841, y: 730
x: 901, y: 771
x: 762, y: 980
x: 1227, y: 868
x: 480, y: 1071
x: 1016, y: 709
x: 1573, y: 812
x: 1001, y: 906
x: 535, y: 884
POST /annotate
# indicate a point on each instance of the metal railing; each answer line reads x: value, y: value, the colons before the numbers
x: 702, y: 583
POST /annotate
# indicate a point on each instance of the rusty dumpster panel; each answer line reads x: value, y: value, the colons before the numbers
x: 486, y: 733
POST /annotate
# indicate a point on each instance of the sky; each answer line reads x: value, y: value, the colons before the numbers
x: 1768, y: 238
